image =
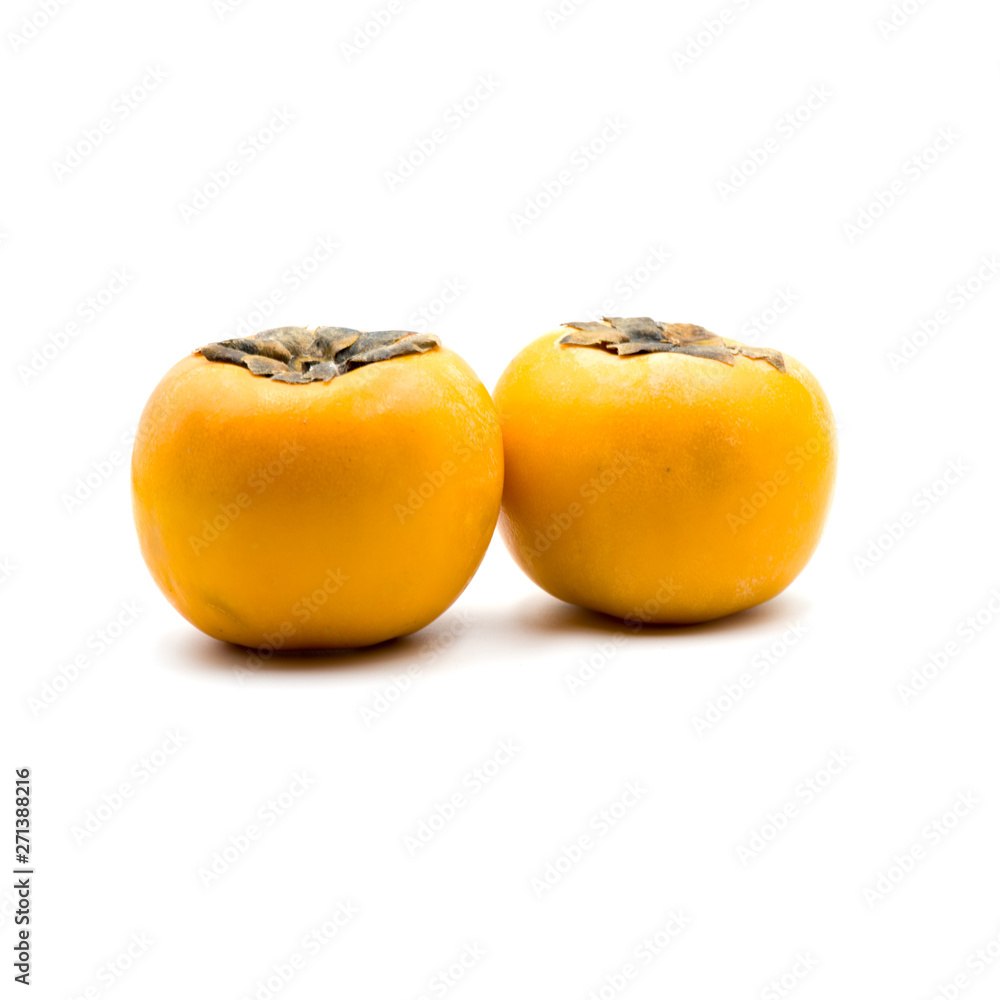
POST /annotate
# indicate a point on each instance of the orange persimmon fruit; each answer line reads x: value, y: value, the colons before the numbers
x: 322, y: 488
x: 659, y: 473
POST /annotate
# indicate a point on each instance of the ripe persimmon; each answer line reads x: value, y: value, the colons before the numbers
x: 659, y: 473
x: 316, y: 488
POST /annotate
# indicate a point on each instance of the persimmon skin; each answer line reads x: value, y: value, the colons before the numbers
x: 322, y: 515
x: 662, y: 487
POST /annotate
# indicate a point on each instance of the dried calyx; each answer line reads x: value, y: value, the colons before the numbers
x: 642, y: 335
x: 296, y: 354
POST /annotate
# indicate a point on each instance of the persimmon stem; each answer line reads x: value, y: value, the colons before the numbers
x: 642, y: 335
x: 296, y: 354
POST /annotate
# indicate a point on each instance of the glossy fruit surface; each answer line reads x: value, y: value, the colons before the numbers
x: 333, y: 513
x: 686, y: 478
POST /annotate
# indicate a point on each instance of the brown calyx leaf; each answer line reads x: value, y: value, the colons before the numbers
x: 642, y: 335
x: 297, y: 354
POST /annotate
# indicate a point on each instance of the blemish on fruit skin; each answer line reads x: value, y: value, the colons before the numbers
x: 218, y: 605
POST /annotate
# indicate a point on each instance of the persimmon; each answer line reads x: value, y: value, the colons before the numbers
x: 660, y: 473
x: 318, y: 488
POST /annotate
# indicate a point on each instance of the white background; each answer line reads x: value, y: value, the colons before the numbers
x: 495, y: 667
